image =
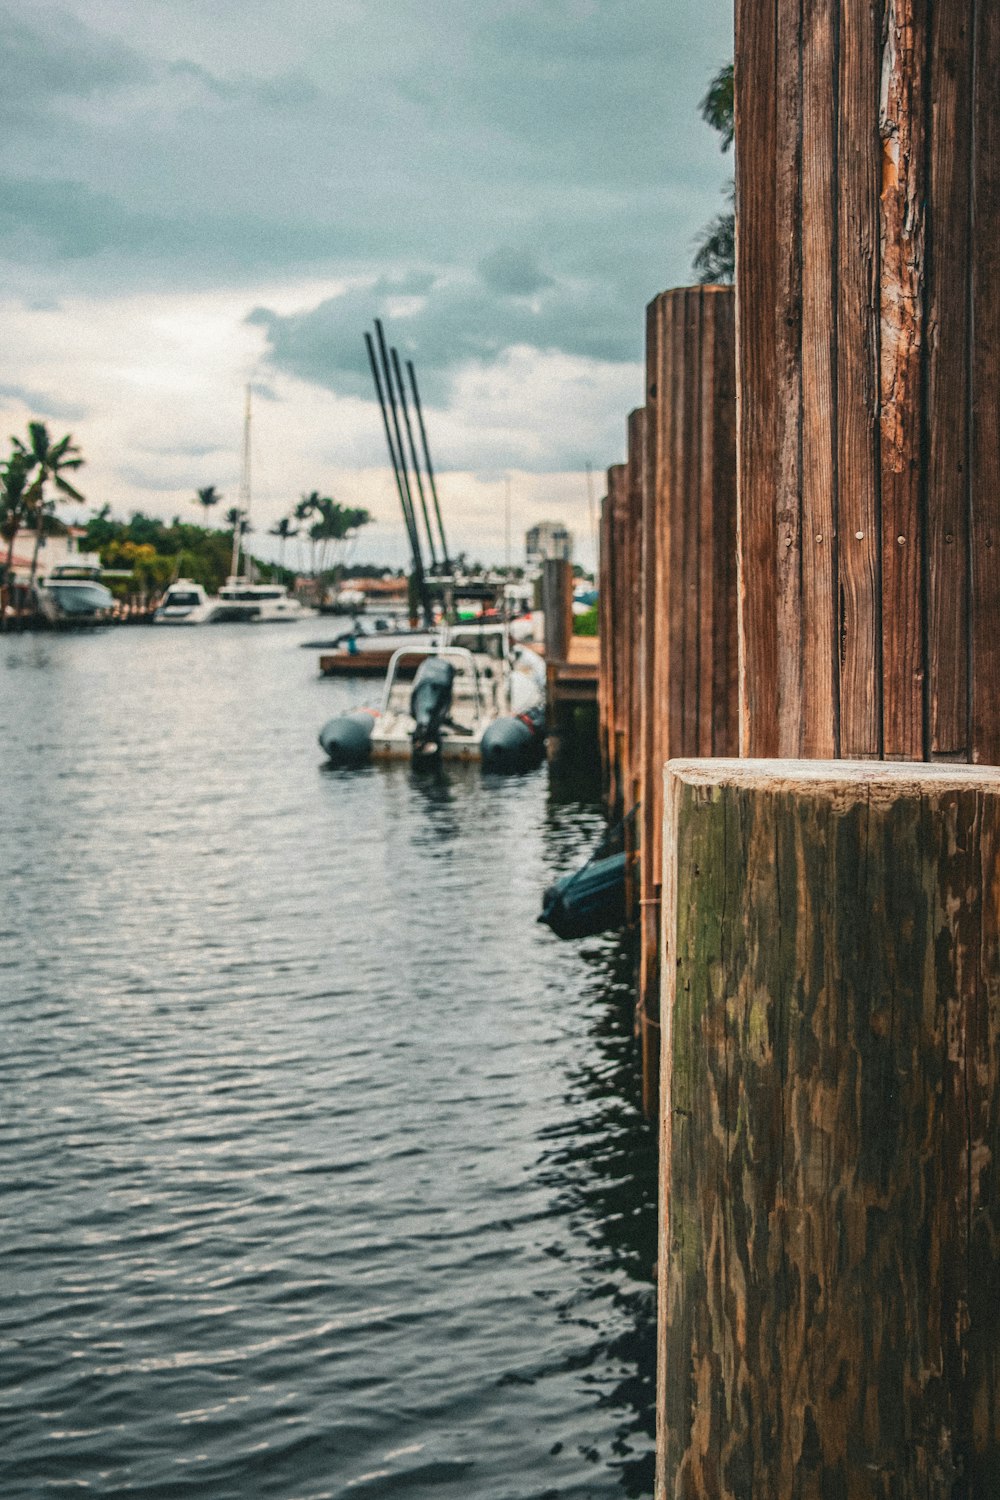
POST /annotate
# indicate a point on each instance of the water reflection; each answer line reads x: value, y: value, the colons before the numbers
x: 602, y: 1168
x: 324, y: 1163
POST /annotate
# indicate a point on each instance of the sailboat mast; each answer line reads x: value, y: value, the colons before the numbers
x: 243, y: 505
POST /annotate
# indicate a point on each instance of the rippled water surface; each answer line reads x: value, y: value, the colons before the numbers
x: 321, y: 1163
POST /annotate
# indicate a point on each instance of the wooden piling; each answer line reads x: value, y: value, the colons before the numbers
x: 868, y: 280
x: 830, y: 1146
x: 686, y: 603
x: 557, y: 607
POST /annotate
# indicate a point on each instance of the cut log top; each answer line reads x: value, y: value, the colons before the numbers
x: 893, y: 778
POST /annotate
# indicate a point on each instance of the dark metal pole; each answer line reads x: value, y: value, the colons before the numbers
x: 418, y: 561
x: 427, y: 461
x: 413, y: 454
x: 407, y: 518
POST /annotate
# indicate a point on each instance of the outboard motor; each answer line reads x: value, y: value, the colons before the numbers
x: 430, y: 702
x: 347, y: 739
x: 516, y: 742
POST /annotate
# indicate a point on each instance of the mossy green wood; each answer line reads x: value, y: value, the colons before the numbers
x: 830, y: 1255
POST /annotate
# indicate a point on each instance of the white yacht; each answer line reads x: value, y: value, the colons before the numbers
x: 259, y: 603
x: 74, y: 595
x: 184, y: 603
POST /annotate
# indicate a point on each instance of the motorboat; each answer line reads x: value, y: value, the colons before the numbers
x: 257, y: 603
x: 184, y: 603
x: 74, y: 596
x: 475, y: 696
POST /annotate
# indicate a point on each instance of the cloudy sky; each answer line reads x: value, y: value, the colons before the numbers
x: 195, y: 195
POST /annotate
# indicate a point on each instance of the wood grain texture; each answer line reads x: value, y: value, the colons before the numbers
x: 830, y: 1132
x: 902, y: 294
x: 648, y: 1000
x: 688, y: 673
x: 868, y: 288
x: 633, y: 607
x: 948, y: 394
x: 820, y: 723
x: 757, y: 250
x: 984, y: 431
x: 856, y: 312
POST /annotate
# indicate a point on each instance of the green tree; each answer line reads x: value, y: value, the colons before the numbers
x: 283, y: 530
x: 49, y: 462
x: 206, y: 498
x: 715, y: 257
x: 14, y: 503
x: 308, y: 506
x: 337, y: 524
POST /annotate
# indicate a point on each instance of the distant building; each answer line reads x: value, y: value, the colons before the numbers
x: 548, y: 539
x: 53, y: 552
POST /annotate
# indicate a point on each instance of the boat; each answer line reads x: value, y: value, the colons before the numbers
x: 257, y: 603
x: 589, y: 901
x: 74, y: 595
x: 184, y: 603
x: 475, y: 696
x: 240, y: 599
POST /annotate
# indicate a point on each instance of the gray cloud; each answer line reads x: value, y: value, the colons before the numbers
x: 44, y: 64
x: 42, y: 404
x: 456, y: 322
x: 367, y: 135
x: 513, y: 273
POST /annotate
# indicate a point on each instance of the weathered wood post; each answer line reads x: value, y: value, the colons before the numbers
x: 830, y: 1149
x: 687, y: 601
x: 868, y: 283
x: 557, y: 607
x: 605, y: 643
x: 631, y: 492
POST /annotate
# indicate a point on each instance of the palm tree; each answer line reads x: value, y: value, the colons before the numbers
x: 715, y: 259
x: 50, y: 461
x: 14, y: 503
x: 283, y: 530
x: 337, y: 523
x: 206, y: 498
x: 308, y: 506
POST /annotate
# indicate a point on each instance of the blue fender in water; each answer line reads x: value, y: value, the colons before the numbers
x: 514, y: 743
x: 590, y: 900
x: 347, y: 739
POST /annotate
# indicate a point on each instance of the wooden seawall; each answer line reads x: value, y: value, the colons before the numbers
x: 668, y: 596
x: 818, y: 582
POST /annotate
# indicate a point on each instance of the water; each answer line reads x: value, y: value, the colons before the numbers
x: 321, y: 1164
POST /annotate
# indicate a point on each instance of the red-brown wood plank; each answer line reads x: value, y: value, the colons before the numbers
x: 722, y: 706
x: 820, y: 665
x: 687, y: 495
x: 901, y: 341
x: 985, y: 425
x: 787, y: 377
x: 948, y: 392
x: 757, y: 250
x: 859, y: 540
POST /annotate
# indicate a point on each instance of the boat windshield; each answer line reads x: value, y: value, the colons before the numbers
x: 182, y: 597
x: 483, y: 642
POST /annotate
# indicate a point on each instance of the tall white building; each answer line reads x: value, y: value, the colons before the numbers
x: 547, y: 539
